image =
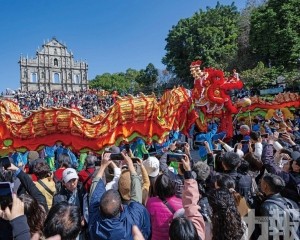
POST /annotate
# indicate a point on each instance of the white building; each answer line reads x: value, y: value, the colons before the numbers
x: 53, y: 68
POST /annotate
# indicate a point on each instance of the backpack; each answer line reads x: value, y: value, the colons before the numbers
x: 287, y: 207
x: 294, y: 214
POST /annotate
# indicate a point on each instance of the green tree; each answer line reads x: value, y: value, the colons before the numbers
x: 209, y: 35
x: 275, y: 33
x: 245, y: 58
x: 122, y: 82
x: 261, y: 76
x: 111, y: 82
x: 147, y: 78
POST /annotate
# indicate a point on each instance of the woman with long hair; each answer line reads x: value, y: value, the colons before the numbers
x: 226, y: 220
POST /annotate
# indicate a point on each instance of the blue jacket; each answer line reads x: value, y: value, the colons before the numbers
x: 208, y: 138
x: 120, y: 227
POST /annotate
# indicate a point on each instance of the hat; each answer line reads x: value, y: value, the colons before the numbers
x: 33, y: 155
x: 114, y: 149
x: 151, y: 165
x: 68, y: 174
x: 125, y: 185
x: 296, y: 156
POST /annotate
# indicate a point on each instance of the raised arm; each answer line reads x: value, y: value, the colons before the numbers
x: 29, y: 186
x: 190, y: 198
x: 98, y: 190
x: 136, y: 187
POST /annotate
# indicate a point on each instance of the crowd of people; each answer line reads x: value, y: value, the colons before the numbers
x: 246, y: 187
x: 89, y: 103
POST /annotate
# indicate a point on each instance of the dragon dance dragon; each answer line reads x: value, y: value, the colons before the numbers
x: 212, y: 99
x: 131, y: 117
x: 128, y: 119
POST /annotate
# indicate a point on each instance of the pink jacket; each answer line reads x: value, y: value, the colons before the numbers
x: 190, y: 197
x: 161, y: 216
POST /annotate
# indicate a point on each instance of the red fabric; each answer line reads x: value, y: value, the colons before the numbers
x: 34, y: 177
x: 83, y: 175
x: 59, y: 173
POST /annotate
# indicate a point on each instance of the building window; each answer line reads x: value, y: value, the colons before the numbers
x: 56, y: 78
x: 43, y: 75
x: 55, y: 62
x: 77, y: 79
x: 34, y: 77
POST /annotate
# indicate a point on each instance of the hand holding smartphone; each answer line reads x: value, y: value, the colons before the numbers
x: 199, y: 143
x: 116, y: 156
x: 175, y: 157
x: 5, y: 195
x: 5, y: 163
x: 265, y: 135
x: 245, y: 142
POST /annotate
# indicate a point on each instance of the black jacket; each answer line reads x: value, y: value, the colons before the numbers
x: 268, y: 208
x: 278, y: 209
x: 64, y: 195
x: 28, y: 185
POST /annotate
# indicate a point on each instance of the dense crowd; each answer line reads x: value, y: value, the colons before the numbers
x: 244, y: 187
x: 89, y: 103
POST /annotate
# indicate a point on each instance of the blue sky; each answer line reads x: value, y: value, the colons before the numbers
x: 111, y: 35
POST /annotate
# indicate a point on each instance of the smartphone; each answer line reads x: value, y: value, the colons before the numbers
x: 5, y: 162
x: 266, y: 135
x: 199, y: 143
x: 174, y: 157
x: 116, y: 156
x: 280, y: 135
x: 146, y: 156
x: 135, y: 160
x: 180, y: 144
x: 5, y: 195
x: 127, y: 148
x: 245, y: 142
x: 217, y: 151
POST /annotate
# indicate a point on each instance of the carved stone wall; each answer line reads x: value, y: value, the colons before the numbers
x: 53, y: 68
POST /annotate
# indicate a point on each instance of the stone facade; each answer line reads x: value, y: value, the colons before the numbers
x: 53, y: 68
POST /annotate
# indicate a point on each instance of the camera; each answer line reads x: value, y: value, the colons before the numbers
x: 174, y: 157
x: 245, y: 142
